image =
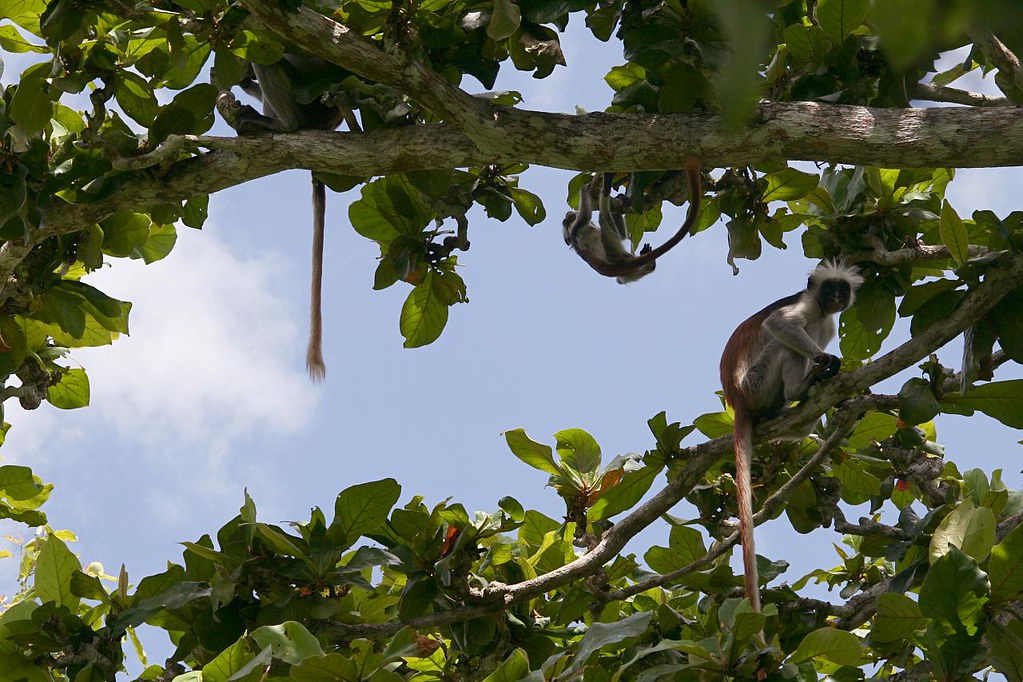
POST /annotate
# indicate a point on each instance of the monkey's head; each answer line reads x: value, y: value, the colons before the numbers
x: 566, y: 226
x: 833, y: 285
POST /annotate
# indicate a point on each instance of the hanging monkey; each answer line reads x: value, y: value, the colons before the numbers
x: 772, y: 359
x: 602, y: 247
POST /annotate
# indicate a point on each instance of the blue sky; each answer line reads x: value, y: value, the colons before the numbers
x: 208, y: 396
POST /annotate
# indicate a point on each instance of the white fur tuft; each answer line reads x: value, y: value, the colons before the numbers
x: 837, y: 269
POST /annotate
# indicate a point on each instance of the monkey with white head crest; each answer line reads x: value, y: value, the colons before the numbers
x: 772, y: 359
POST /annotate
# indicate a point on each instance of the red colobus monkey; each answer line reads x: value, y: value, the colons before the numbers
x: 274, y: 86
x: 772, y: 359
x: 602, y: 248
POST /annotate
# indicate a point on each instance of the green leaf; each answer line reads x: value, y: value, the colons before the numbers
x: 361, y: 509
x: 897, y: 617
x: 159, y: 243
x: 528, y: 206
x: 290, y: 641
x: 601, y: 635
x: 513, y: 668
x: 917, y: 403
x: 789, y: 184
x: 17, y: 483
x: 625, y: 495
x: 11, y: 40
x: 806, y: 43
x: 1006, y: 651
x: 839, y: 18
x: 838, y: 646
x: 504, y: 20
x: 578, y: 450
x: 749, y: 33
x: 388, y: 207
x: 970, y: 528
x: 125, y: 233
x: 663, y: 560
x: 31, y: 106
x: 867, y: 324
x: 536, y: 455
x: 189, y: 113
x: 88, y: 587
x: 1005, y: 568
x: 54, y: 568
x: 137, y: 99
x: 906, y: 31
x: 954, y: 589
x: 228, y: 662
x: 71, y: 392
x: 327, y: 668
x: 875, y: 427
x: 423, y: 316
x: 1002, y: 400
x: 953, y: 234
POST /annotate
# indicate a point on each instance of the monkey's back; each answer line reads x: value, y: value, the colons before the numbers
x: 748, y: 360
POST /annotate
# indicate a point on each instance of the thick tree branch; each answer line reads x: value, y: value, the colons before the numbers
x: 807, y: 131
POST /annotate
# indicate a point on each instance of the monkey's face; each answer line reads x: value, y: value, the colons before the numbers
x: 833, y: 296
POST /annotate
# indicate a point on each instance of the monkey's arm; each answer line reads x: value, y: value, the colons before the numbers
x: 787, y: 325
x: 612, y: 227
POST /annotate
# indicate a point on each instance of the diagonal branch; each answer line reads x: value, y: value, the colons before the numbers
x: 1001, y: 56
x: 843, y: 421
x: 336, y: 43
x: 1000, y: 279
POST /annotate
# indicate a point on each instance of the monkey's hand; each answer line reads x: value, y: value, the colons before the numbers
x: 826, y: 366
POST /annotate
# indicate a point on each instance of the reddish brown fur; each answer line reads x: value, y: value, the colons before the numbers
x: 741, y: 351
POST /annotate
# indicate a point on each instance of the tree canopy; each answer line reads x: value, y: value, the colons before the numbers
x: 106, y: 150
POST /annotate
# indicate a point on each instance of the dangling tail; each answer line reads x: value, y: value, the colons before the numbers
x: 314, y: 353
x: 744, y: 489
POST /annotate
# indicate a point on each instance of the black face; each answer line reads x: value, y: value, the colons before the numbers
x: 833, y: 295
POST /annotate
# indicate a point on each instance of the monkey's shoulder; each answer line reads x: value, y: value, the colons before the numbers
x: 788, y: 302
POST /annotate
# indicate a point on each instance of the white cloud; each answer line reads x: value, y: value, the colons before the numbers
x: 213, y: 355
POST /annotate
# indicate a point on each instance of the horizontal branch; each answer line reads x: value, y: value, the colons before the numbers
x: 890, y: 138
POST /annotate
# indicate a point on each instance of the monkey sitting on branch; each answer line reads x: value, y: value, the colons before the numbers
x: 602, y: 248
x: 771, y: 360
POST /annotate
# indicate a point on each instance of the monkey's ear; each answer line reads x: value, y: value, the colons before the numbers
x: 809, y: 282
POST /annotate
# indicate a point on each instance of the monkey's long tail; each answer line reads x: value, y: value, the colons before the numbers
x: 744, y: 489
x: 314, y: 353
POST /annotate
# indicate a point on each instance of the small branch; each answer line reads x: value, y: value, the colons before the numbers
x: 869, y: 527
x: 1001, y: 56
x: 1007, y: 525
x: 167, y: 152
x: 919, y: 468
x: 913, y: 254
x: 943, y: 93
x: 861, y: 607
